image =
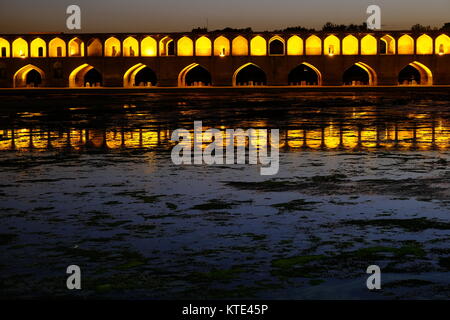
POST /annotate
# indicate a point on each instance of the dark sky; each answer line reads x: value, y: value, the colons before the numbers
x: 18, y: 16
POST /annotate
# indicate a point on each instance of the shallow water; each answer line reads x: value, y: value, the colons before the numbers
x: 88, y: 180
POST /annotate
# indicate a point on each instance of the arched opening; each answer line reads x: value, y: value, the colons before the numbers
x: 94, y: 48
x: 130, y: 47
x: 57, y: 70
x: 112, y: 47
x: 240, y: 46
x: 221, y: 47
x: 424, y: 44
x: 350, y: 45
x: 185, y: 47
x: 203, y: 47
x: 20, y: 48
x: 149, y: 47
x: 166, y: 47
x: 305, y: 75
x: 38, y: 48
x: 415, y: 73
x: 313, y: 46
x: 28, y: 76
x: 249, y: 75
x: 258, y: 46
x: 387, y: 45
x: 369, y: 45
x: 5, y: 49
x: 76, y: 48
x: 194, y: 75
x: 406, y: 45
x: 276, y: 46
x: 442, y: 44
x: 295, y: 46
x: 85, y: 76
x: 360, y: 74
x: 140, y: 75
x: 57, y: 48
x: 332, y: 45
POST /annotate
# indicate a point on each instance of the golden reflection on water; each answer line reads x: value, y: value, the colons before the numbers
x: 413, y: 136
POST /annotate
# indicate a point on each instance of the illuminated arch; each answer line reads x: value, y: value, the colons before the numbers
x: 258, y: 46
x: 442, y: 44
x: 38, y: 48
x: 406, y: 45
x: 305, y: 74
x: 94, y: 48
x: 364, y: 74
x: 20, y: 77
x: 350, y: 45
x: 130, y: 47
x: 5, y: 49
x: 277, y: 46
x: 57, y: 48
x: 331, y: 45
x: 77, y: 76
x: 112, y: 47
x: 313, y: 45
x: 203, y: 47
x: 131, y: 76
x: 221, y: 46
x: 240, y: 46
x: 185, y: 47
x: 369, y: 45
x: 20, y: 48
x: 202, y: 73
x: 424, y: 44
x: 76, y: 48
x: 425, y: 74
x: 295, y: 46
x: 166, y: 47
x: 252, y: 65
x: 387, y: 45
x: 149, y: 47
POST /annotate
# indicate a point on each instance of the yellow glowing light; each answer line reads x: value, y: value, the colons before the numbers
x: 130, y: 47
x: 258, y: 46
x: 20, y: 48
x: 94, y: 48
x: 369, y: 45
x: 57, y: 48
x: 112, y: 47
x: 240, y: 46
x: 4, y: 44
x: 295, y: 46
x: 185, y: 47
x: 405, y: 45
x: 203, y: 47
x: 424, y: 44
x: 149, y: 47
x: 221, y: 46
x: 442, y: 44
x: 350, y: 45
x: 332, y: 45
x: 76, y: 48
x: 38, y: 48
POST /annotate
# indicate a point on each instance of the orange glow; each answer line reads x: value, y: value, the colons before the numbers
x: 203, y: 47
x: 4, y: 44
x: 258, y: 46
x: 112, y: 47
x: 424, y: 44
x: 185, y: 47
x: 369, y: 45
x: 332, y: 45
x: 38, y: 48
x: 221, y: 46
x: 57, y: 48
x: 94, y: 48
x: 20, y: 48
x: 350, y: 45
x: 442, y: 44
x: 405, y: 45
x: 240, y: 46
x: 295, y: 46
x: 149, y: 47
x: 76, y: 48
x: 313, y: 45
x: 130, y: 47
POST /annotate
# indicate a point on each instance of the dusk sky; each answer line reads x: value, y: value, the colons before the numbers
x: 21, y: 16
